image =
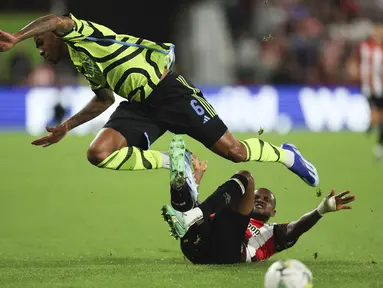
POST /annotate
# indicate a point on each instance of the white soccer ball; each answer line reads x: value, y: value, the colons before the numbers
x: 288, y: 273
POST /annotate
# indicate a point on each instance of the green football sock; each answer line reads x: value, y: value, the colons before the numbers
x: 262, y: 151
x: 132, y: 158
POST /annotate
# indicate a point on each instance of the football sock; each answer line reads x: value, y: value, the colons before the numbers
x: 378, y: 149
x: 193, y: 216
x: 262, y: 151
x: 132, y: 158
x: 165, y: 160
x: 181, y: 199
x: 228, y: 193
x: 369, y: 129
x: 380, y: 140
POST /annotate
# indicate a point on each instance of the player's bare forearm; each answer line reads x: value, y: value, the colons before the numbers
x: 44, y: 24
x: 198, y: 174
x: 103, y: 99
x: 199, y: 168
x: 306, y: 222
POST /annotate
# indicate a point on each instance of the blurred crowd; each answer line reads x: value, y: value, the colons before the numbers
x: 275, y: 41
x: 22, y: 72
x: 296, y: 41
x: 249, y: 41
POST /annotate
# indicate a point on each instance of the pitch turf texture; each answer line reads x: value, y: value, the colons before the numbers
x: 65, y: 223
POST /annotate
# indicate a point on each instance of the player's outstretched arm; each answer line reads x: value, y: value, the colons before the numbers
x: 51, y: 22
x: 103, y: 100
x: 329, y: 204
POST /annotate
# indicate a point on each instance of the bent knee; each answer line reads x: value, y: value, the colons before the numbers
x: 96, y: 156
x: 237, y: 153
x: 249, y: 179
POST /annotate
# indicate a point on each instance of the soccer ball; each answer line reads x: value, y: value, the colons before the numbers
x: 288, y: 273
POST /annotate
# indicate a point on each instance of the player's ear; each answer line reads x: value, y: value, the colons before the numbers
x: 273, y: 213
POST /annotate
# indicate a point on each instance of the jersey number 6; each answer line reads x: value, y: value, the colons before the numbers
x: 197, y: 108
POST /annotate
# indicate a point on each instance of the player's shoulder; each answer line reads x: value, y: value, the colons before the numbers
x: 262, y: 226
x: 72, y: 16
x: 257, y: 223
x: 90, y: 23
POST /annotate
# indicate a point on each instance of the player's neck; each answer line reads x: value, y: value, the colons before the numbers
x: 64, y: 50
x: 260, y: 217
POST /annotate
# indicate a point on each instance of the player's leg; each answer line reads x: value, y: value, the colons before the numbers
x: 227, y: 194
x: 196, y: 243
x: 181, y: 107
x: 255, y: 149
x: 376, y: 109
x: 183, y: 188
x: 123, y: 142
x: 229, y: 227
x: 378, y: 149
x: 219, y: 241
x: 374, y: 115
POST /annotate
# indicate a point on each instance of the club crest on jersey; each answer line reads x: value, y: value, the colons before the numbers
x: 89, y: 69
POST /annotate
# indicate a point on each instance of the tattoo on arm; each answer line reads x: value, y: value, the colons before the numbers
x: 103, y: 99
x: 44, y: 24
x: 306, y: 222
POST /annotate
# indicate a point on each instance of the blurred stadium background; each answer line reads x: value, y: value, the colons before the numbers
x: 275, y: 64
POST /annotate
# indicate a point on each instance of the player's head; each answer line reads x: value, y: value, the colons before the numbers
x: 51, y: 47
x: 264, y: 204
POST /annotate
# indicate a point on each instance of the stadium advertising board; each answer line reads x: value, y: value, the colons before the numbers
x: 243, y: 108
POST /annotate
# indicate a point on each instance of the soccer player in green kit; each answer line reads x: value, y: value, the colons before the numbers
x: 159, y: 99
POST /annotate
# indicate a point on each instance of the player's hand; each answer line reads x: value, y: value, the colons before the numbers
x: 7, y: 41
x: 54, y: 136
x: 341, y: 199
x: 335, y: 203
x: 198, y: 165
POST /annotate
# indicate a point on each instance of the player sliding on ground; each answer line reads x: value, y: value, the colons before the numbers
x: 159, y: 99
x: 238, y: 231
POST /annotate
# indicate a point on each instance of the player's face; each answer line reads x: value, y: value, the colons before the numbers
x: 264, y: 202
x: 50, y: 46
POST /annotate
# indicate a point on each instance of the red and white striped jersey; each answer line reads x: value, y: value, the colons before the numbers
x: 370, y: 55
x: 263, y: 240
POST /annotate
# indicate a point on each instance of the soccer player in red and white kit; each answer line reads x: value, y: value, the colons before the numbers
x: 365, y: 67
x: 230, y: 226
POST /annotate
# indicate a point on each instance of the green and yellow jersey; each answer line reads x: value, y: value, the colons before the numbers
x: 130, y: 66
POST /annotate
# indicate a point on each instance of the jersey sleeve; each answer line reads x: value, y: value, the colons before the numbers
x: 280, y: 236
x: 84, y: 29
x: 79, y: 32
x: 93, y: 85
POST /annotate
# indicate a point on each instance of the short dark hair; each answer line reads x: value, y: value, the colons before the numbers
x: 271, y: 193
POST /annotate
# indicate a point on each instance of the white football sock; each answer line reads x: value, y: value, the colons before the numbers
x: 192, y: 216
x: 165, y: 160
x: 378, y: 151
x: 289, y: 158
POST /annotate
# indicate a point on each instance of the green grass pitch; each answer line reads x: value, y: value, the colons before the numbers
x: 65, y: 223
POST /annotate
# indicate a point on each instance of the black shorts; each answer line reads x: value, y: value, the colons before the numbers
x: 375, y: 101
x: 175, y: 105
x: 218, y: 241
